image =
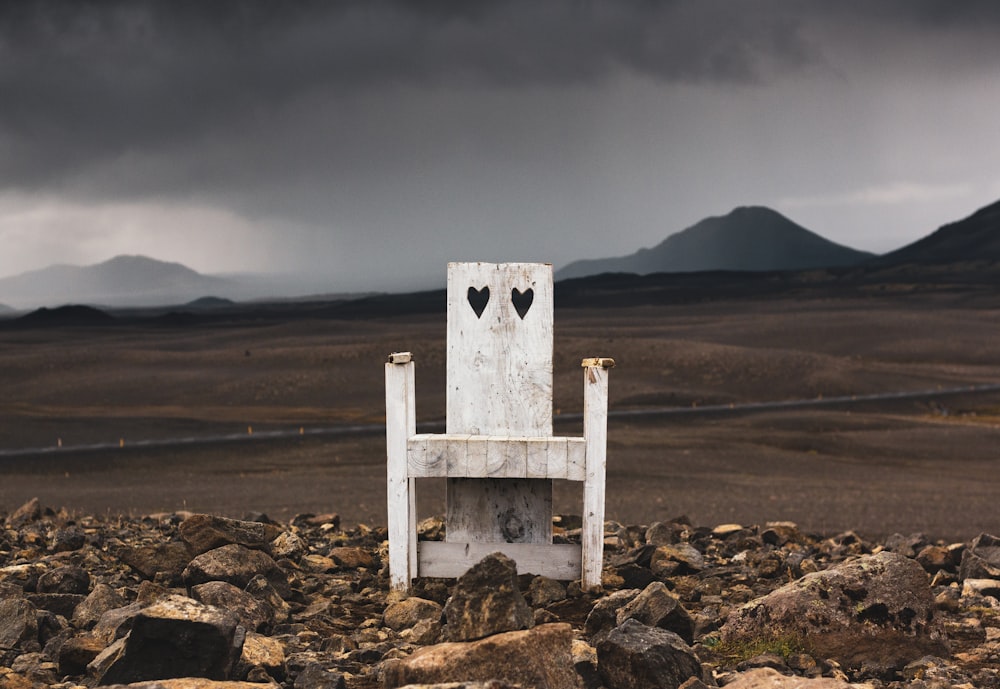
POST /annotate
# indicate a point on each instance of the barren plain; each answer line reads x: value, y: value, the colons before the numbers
x: 926, y: 463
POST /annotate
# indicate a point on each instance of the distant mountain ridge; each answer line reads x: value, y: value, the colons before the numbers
x: 750, y: 238
x: 975, y: 238
x: 122, y: 281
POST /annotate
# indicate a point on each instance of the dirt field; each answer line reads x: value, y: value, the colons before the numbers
x: 924, y: 464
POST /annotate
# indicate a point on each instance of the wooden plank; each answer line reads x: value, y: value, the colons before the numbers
x: 479, y: 456
x: 545, y: 456
x: 576, y: 459
x: 499, y: 369
x: 445, y: 559
x: 595, y: 432
x: 499, y: 510
x: 400, y: 424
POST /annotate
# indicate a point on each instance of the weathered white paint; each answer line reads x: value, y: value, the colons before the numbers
x: 498, y: 454
x: 558, y: 561
x: 499, y: 370
x: 436, y: 455
x: 595, y: 432
x: 400, y: 424
x: 499, y: 378
x: 515, y: 510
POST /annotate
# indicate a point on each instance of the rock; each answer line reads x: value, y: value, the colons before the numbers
x: 407, y: 613
x: 167, y: 560
x: 237, y: 565
x: 658, y: 534
x: 78, y: 652
x: 544, y: 591
x: 780, y: 533
x: 59, y: 603
x: 767, y: 678
x: 635, y: 656
x: 934, y: 558
x: 539, y: 658
x: 489, y: 684
x: 603, y: 616
x: 264, y: 653
x: 191, y: 683
x: 30, y: 511
x: 315, y: 676
x: 681, y: 558
x: 288, y: 545
x: 18, y: 623
x: 64, y: 580
x: 261, y: 589
x: 36, y: 667
x: 981, y: 587
x: 204, y: 532
x: 981, y: 560
x: 252, y: 613
x: 175, y: 637
x: 116, y: 623
x: 657, y: 607
x: 874, y: 611
x: 351, y: 557
x: 67, y: 540
x: 486, y: 600
x: 101, y: 599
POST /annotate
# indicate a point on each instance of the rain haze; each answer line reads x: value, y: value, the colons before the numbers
x: 370, y: 142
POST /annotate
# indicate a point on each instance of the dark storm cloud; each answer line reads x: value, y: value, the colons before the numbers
x: 83, y: 80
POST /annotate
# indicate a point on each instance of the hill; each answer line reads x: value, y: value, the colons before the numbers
x: 750, y: 238
x: 120, y: 281
x: 73, y: 314
x: 975, y: 238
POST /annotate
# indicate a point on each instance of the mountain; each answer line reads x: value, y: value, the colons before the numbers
x: 4, y: 309
x: 750, y: 238
x: 120, y: 281
x: 975, y: 238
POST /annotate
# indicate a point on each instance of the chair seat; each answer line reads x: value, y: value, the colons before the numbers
x: 496, y: 456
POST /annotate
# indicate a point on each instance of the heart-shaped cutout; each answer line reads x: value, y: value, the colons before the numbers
x: 478, y: 299
x: 522, y: 300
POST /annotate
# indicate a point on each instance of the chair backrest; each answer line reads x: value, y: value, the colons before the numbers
x: 499, y: 371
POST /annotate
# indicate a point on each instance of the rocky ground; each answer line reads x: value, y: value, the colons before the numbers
x: 86, y: 601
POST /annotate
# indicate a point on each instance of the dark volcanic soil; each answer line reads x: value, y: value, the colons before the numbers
x: 924, y: 464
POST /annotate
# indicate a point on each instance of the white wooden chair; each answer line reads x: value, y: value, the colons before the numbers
x: 498, y: 452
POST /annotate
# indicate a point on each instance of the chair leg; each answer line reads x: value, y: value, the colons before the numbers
x: 400, y: 424
x: 595, y: 432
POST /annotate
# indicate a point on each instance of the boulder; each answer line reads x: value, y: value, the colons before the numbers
x: 253, y: 614
x: 486, y: 600
x: 981, y: 560
x: 539, y: 658
x: 544, y: 591
x: 636, y: 656
x: 874, y: 611
x: 18, y: 622
x: 767, y: 678
x: 203, y: 532
x: 603, y: 617
x: 191, y: 683
x: 657, y: 607
x: 407, y: 613
x: 64, y: 580
x: 101, y: 599
x: 59, y: 603
x: 262, y: 653
x: 166, y: 559
x: 234, y: 564
x: 30, y: 511
x: 350, y: 557
x: 78, y: 652
x: 175, y: 637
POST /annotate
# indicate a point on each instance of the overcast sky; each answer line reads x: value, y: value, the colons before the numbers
x: 377, y: 140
